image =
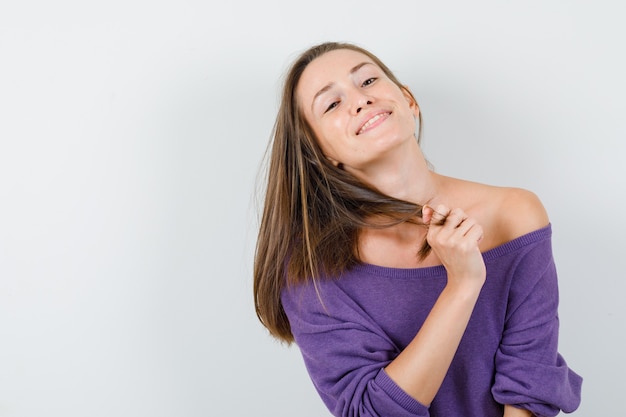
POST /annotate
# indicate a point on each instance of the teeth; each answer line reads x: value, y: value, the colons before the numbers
x: 371, y: 121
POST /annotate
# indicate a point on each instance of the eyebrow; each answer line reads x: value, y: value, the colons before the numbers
x: 330, y: 85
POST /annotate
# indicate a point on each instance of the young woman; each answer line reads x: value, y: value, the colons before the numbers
x: 408, y: 293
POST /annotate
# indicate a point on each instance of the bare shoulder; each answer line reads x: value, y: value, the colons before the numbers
x: 517, y: 212
x: 505, y: 213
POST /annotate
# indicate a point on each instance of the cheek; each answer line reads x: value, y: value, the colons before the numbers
x: 410, y: 118
x: 327, y: 135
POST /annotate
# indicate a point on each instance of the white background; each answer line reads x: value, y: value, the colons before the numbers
x: 131, y: 134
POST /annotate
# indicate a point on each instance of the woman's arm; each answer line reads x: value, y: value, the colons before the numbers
x: 421, y: 367
x: 529, y: 371
x: 510, y: 411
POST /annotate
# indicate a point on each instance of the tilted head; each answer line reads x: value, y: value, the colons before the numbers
x: 314, y: 89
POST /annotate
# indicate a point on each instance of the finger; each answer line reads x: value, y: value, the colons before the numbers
x: 427, y: 214
x: 439, y: 215
x: 464, y: 225
x: 455, y: 218
x: 475, y: 232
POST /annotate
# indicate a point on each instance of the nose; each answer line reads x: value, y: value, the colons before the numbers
x: 360, y: 107
x: 361, y: 101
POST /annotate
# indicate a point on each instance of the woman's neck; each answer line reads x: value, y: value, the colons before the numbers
x: 405, y: 175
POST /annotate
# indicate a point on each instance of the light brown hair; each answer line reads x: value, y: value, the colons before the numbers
x: 313, y: 210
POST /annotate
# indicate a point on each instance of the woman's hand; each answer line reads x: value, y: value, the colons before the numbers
x: 454, y: 238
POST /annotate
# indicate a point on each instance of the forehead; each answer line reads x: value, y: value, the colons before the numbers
x: 335, y: 61
x: 329, y: 68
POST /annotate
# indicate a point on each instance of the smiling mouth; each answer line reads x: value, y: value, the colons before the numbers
x: 379, y: 118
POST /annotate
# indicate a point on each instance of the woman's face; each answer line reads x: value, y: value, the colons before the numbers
x: 357, y: 113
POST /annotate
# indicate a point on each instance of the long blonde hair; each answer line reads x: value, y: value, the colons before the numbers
x: 313, y: 210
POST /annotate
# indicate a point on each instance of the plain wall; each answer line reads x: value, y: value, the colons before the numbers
x: 131, y: 133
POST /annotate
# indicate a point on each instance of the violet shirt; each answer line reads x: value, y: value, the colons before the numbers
x: 508, y: 354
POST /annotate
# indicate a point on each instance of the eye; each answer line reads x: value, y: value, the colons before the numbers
x: 332, y: 106
x: 369, y: 81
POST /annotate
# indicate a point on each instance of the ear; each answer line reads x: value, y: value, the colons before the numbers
x: 411, y: 100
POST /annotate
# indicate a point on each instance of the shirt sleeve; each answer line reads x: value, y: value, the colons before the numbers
x: 345, y: 354
x: 530, y: 373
